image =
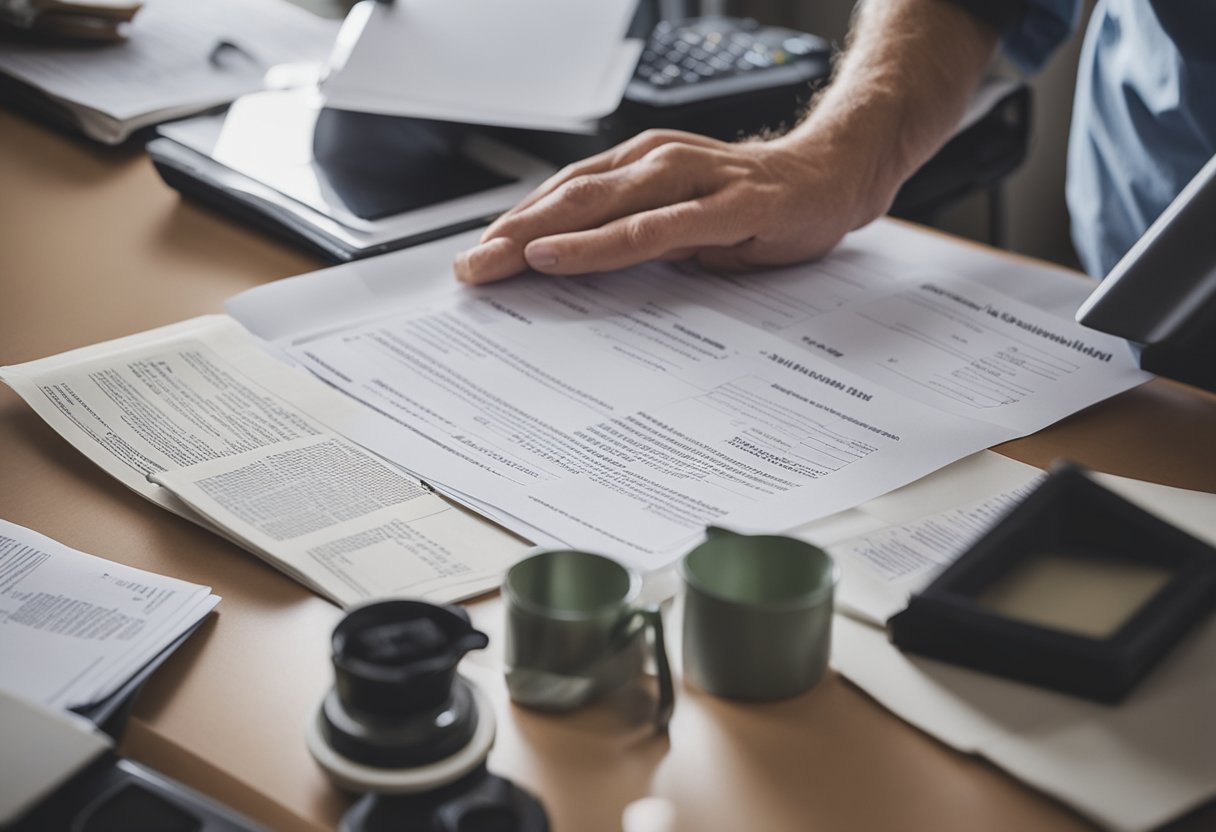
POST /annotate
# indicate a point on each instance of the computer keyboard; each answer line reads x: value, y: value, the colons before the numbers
x: 712, y: 57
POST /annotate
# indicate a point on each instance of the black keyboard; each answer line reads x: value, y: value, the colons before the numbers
x: 712, y: 57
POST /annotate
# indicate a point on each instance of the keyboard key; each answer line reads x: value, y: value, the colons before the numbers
x: 799, y: 46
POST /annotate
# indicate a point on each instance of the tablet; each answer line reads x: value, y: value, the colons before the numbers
x: 348, y: 184
x: 1161, y: 295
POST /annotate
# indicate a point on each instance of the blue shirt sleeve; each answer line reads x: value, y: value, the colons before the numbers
x: 1046, y: 25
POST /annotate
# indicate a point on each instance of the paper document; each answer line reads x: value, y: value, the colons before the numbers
x: 169, y: 67
x: 74, y: 627
x: 892, y: 547
x: 256, y: 448
x: 541, y: 64
x: 625, y: 412
x: 1129, y: 767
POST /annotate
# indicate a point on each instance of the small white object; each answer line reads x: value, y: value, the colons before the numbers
x: 40, y: 748
x: 649, y: 814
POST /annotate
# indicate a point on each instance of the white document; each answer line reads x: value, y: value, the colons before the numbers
x: 74, y: 627
x: 625, y: 412
x: 1132, y: 767
x: 893, y: 546
x: 542, y: 64
x: 1129, y: 767
x: 169, y: 401
x: 166, y: 67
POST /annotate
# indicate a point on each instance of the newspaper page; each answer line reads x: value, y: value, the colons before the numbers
x: 204, y: 390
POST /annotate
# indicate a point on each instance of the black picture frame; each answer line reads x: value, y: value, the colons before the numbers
x: 1068, y: 512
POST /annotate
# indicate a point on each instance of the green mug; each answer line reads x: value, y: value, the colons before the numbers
x: 575, y: 631
x: 757, y: 615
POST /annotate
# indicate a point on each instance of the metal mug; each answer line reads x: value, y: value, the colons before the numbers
x: 575, y: 631
x: 757, y: 615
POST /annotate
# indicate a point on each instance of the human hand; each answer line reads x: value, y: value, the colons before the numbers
x: 671, y: 195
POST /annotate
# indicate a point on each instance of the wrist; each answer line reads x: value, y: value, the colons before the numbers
x: 856, y: 152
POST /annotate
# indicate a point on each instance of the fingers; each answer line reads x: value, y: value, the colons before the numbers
x: 489, y: 261
x: 669, y: 175
x: 669, y: 232
x: 591, y: 201
x: 623, y: 154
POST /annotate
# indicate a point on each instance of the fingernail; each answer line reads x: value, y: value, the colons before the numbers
x: 540, y: 255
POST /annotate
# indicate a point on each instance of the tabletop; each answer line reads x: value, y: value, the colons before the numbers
x: 94, y: 246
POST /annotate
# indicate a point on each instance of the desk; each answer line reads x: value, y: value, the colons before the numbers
x: 93, y: 246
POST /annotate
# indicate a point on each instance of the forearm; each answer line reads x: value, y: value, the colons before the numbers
x: 898, y: 93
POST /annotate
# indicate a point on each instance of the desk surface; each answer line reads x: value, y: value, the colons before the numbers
x: 94, y: 246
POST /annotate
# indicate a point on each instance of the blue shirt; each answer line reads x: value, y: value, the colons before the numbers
x: 1144, y: 115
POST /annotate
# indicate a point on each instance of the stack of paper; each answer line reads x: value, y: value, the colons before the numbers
x: 1130, y: 767
x: 625, y: 412
x: 74, y: 627
x: 180, y: 57
x: 543, y: 64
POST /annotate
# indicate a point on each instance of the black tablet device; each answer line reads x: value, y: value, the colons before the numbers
x: 346, y: 184
x: 1162, y: 295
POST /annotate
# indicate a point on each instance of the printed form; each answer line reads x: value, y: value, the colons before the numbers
x: 624, y: 412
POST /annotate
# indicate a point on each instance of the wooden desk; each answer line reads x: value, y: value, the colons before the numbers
x: 94, y: 246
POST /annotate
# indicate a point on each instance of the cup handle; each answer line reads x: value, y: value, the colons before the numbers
x: 653, y: 618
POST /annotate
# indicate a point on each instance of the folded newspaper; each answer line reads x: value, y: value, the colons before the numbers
x: 197, y: 418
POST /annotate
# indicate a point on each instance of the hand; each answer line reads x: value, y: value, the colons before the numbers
x: 671, y: 195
